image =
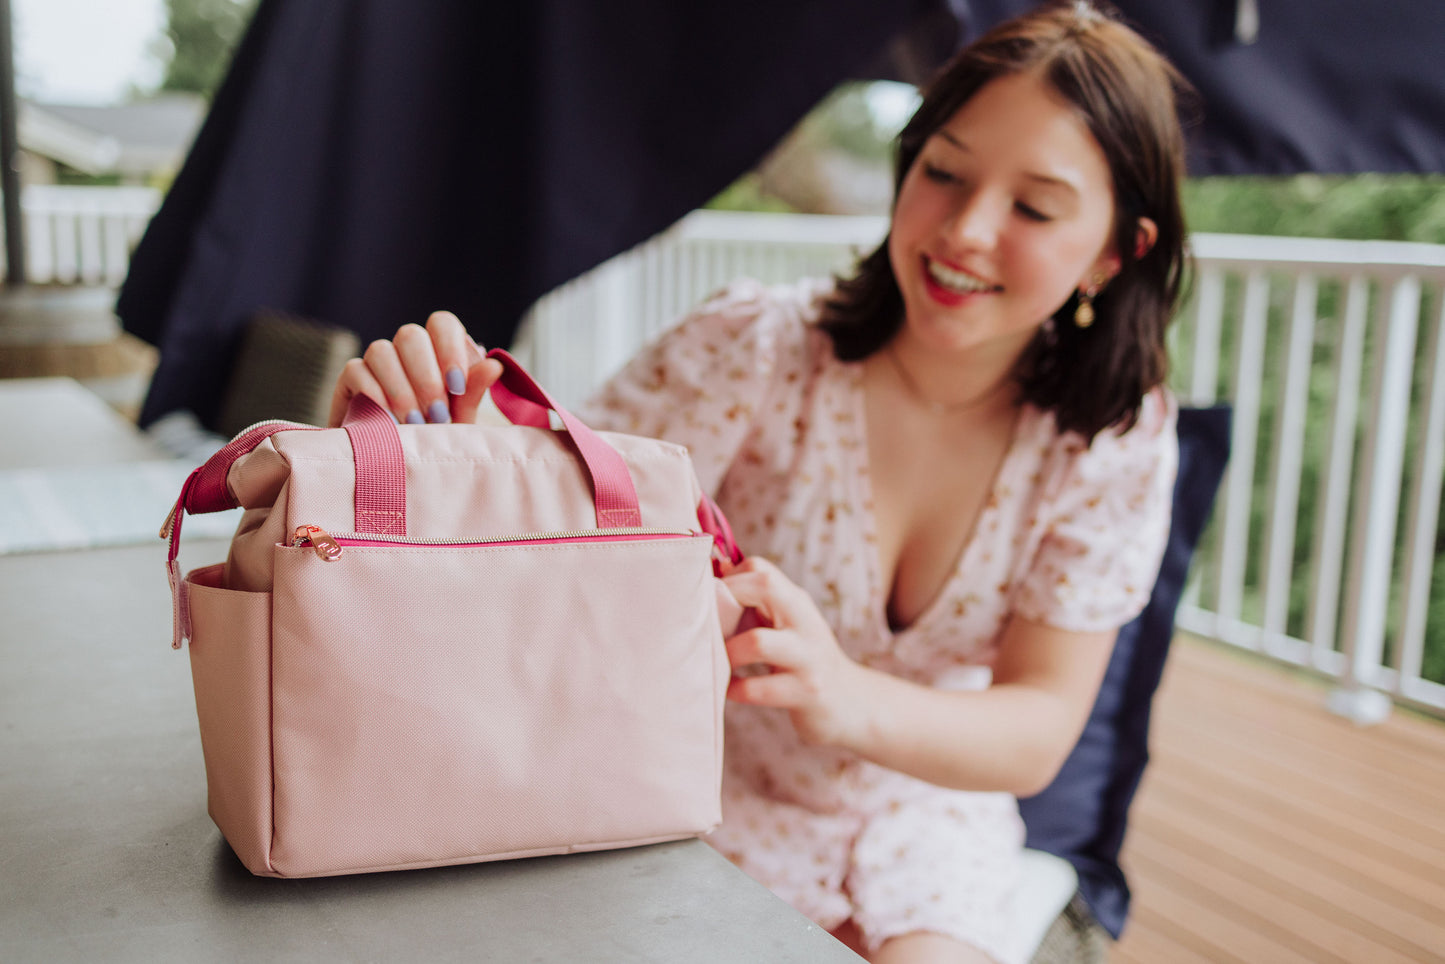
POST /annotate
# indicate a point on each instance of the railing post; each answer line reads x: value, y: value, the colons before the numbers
x: 1288, y: 462
x: 1204, y: 377
x: 617, y: 325
x: 1204, y: 364
x: 1239, y: 477
x: 1424, y: 509
x: 1332, y: 515
x: 40, y: 240
x: 1372, y: 561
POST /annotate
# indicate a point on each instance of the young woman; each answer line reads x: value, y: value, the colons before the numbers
x: 952, y: 473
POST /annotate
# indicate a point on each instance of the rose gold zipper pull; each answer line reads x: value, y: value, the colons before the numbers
x: 316, y: 537
x: 170, y: 521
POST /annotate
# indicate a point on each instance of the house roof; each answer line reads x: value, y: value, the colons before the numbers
x: 137, y: 138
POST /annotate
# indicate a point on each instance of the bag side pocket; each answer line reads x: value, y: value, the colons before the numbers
x: 231, y: 670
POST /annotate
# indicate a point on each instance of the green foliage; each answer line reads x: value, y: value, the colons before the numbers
x: 64, y: 174
x: 746, y: 194
x: 202, y: 34
x: 1365, y: 206
x: 858, y: 119
x: 847, y: 120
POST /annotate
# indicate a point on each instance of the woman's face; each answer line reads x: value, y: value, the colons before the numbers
x: 1007, y: 210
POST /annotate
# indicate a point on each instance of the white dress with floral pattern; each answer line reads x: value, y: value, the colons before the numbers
x: 1071, y: 536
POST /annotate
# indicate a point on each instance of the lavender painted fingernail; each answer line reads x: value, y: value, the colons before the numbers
x: 437, y: 413
x: 415, y: 417
x: 456, y: 381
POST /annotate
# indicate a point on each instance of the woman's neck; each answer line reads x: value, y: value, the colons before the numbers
x: 973, y: 380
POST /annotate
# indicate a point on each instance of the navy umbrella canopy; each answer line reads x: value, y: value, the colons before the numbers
x: 1293, y: 86
x: 368, y: 161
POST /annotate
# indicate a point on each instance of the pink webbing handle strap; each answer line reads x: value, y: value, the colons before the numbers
x: 524, y: 402
x: 380, y: 468
x: 715, y: 524
x: 205, y: 491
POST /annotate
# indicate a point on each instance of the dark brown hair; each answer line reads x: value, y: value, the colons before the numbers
x: 1125, y: 92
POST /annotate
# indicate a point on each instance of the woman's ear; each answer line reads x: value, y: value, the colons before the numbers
x: 1109, y: 265
x: 1144, y: 237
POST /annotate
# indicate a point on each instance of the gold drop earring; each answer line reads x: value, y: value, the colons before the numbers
x: 1084, y: 313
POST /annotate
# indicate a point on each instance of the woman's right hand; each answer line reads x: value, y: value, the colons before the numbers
x: 432, y: 374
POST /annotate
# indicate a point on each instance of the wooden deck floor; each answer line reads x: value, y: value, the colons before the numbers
x: 1268, y: 831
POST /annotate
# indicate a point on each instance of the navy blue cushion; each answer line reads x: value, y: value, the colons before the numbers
x: 1082, y: 815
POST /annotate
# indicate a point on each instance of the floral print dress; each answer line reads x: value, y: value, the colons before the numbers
x: 1071, y: 536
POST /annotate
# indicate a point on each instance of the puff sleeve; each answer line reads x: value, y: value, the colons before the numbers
x: 702, y: 383
x: 1107, y: 521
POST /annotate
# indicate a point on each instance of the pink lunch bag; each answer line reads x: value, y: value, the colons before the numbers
x: 451, y: 643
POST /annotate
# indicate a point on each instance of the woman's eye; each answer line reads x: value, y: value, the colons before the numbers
x: 1032, y: 213
x: 938, y: 175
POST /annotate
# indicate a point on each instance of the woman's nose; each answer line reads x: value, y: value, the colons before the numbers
x: 976, y: 221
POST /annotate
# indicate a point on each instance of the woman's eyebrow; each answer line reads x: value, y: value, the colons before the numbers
x: 953, y: 140
x: 1046, y: 180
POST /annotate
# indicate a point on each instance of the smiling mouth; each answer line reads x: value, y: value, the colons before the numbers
x: 956, y: 281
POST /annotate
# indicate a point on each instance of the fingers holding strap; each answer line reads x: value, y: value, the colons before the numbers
x: 433, y: 374
x: 422, y: 375
x: 356, y: 379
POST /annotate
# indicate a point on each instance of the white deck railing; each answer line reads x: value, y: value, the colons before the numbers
x: 1285, y: 329
x: 1351, y: 415
x: 82, y: 235
x: 1323, y: 546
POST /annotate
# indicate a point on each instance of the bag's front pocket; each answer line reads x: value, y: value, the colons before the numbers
x: 441, y: 704
x: 231, y: 671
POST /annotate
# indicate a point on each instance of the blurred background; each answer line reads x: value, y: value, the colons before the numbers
x: 1315, y: 311
x: 112, y: 93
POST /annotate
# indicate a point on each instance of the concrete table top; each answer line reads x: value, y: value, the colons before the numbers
x: 107, y: 852
x: 53, y: 422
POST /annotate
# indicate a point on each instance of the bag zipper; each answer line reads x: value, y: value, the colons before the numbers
x: 329, y: 547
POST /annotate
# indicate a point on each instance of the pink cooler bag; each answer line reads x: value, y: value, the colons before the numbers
x: 443, y: 644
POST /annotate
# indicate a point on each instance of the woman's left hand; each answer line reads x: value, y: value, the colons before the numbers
x: 808, y: 674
